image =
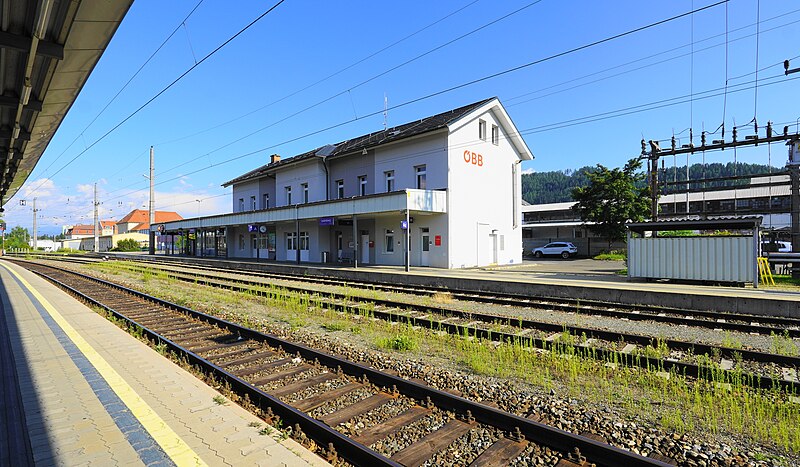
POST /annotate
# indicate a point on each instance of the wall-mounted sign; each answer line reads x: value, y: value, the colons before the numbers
x: 473, y: 158
x: 437, y: 240
x: 404, y: 225
x: 344, y: 222
x: 371, y: 244
x: 326, y: 221
x: 221, y: 231
x: 160, y: 227
x: 262, y: 229
x: 252, y: 228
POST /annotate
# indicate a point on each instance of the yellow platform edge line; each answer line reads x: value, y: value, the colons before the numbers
x: 172, y: 444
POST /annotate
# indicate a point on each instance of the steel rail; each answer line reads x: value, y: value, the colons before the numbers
x: 634, y: 312
x: 243, y: 285
x: 631, y: 360
x: 597, y: 452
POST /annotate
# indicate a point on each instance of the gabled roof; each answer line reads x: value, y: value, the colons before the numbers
x: 370, y: 140
x: 105, y: 224
x: 140, y: 216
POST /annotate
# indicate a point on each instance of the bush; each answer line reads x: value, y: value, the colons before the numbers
x: 127, y: 244
x: 613, y: 255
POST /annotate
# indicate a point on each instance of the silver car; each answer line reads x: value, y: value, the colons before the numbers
x: 563, y: 249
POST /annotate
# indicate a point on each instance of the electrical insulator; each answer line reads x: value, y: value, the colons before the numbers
x: 673, y: 142
x: 755, y: 127
x: 703, y: 138
x: 734, y: 134
x: 769, y: 129
x: 644, y: 146
x: 691, y: 138
x: 785, y: 130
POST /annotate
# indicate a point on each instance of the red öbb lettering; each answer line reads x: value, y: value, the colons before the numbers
x: 473, y: 158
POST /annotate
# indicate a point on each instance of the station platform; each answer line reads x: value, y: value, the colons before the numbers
x: 77, y: 390
x: 576, y: 279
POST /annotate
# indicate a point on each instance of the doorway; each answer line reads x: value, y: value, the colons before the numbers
x: 424, y: 246
x: 364, y: 247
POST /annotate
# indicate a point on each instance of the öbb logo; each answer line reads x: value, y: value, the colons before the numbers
x: 473, y: 158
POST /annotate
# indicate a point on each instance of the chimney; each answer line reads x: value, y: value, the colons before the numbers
x: 274, y: 158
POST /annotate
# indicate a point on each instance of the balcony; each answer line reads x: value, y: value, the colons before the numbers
x: 419, y: 201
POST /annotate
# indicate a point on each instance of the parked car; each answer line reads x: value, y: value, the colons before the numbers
x: 776, y: 247
x: 563, y: 249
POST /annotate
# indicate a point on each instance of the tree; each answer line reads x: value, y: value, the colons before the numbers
x: 612, y: 198
x: 17, y: 238
x: 128, y: 244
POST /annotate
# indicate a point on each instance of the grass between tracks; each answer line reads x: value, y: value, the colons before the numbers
x: 725, y: 405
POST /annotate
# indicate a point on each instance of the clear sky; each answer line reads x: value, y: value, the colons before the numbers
x: 311, y: 65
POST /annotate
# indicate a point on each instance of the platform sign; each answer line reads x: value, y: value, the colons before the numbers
x: 326, y: 221
x: 252, y: 228
x: 404, y: 225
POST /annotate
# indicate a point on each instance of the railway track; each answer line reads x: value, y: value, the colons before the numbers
x: 714, y: 363
x: 347, y: 410
x: 718, y: 320
x: 764, y: 325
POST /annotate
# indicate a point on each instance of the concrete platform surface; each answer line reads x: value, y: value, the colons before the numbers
x: 90, y: 394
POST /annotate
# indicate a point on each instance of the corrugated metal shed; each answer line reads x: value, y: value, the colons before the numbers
x: 700, y: 258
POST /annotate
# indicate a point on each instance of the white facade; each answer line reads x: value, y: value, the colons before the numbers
x: 456, y: 175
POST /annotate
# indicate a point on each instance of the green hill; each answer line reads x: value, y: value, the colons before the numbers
x: 556, y: 186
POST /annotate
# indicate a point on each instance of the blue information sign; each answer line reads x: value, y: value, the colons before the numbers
x: 326, y: 221
x: 404, y: 225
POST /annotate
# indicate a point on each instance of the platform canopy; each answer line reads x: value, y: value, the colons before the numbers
x: 718, y: 223
x: 48, y: 48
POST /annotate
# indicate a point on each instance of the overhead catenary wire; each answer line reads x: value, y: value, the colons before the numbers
x: 125, y: 86
x: 579, y: 121
x: 326, y: 78
x: 165, y: 89
x: 367, y: 80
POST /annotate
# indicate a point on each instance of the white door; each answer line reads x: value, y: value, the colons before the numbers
x: 291, y: 246
x: 424, y: 246
x: 253, y: 246
x: 339, y: 246
x: 364, y: 248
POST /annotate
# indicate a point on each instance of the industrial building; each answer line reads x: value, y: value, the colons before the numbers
x: 445, y: 188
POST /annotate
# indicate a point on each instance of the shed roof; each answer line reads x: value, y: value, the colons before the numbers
x: 734, y: 223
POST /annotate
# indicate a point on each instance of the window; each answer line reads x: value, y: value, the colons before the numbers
x: 388, y: 245
x: 389, y: 177
x: 304, y: 241
x: 265, y: 201
x: 288, y: 195
x: 421, y: 177
x: 252, y: 203
x: 482, y: 129
x: 291, y: 240
x: 241, y: 241
x: 339, y: 189
x: 304, y: 186
x: 495, y: 135
x: 241, y: 204
x: 362, y: 185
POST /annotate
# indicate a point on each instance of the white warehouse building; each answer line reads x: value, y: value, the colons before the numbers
x: 450, y: 181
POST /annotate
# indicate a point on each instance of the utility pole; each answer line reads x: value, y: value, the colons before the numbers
x: 34, y: 224
x: 152, y: 247
x: 96, y: 248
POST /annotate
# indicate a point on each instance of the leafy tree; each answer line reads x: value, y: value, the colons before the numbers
x: 17, y: 238
x: 128, y: 244
x: 613, y: 197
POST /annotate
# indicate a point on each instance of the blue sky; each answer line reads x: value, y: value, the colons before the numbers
x: 308, y: 66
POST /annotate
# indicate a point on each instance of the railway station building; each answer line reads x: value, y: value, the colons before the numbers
x: 445, y: 189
